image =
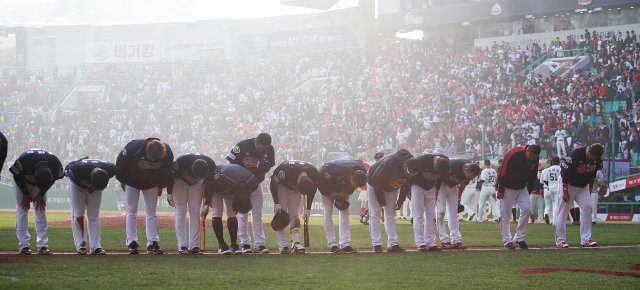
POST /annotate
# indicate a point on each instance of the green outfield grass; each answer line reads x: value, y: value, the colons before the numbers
x: 463, y: 269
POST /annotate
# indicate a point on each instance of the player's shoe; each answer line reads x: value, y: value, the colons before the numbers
x: 509, y: 246
x: 395, y: 249
x: 446, y: 246
x: 196, y: 251
x: 98, y: 251
x: 133, y: 248
x: 589, y: 244
x: 563, y: 245
x: 348, y: 250
x: 183, y: 251
x: 377, y: 249
x: 261, y: 250
x: 285, y: 250
x: 546, y: 219
x: 577, y: 223
x: 236, y: 249
x: 523, y: 245
x: 298, y: 248
x: 246, y: 249
x: 423, y: 248
x: 44, y: 251
x: 334, y: 250
x: 25, y: 251
x: 154, y: 249
x: 82, y: 251
x: 458, y: 246
x: 225, y: 250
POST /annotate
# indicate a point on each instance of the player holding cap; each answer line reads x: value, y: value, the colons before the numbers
x: 578, y: 170
x: 231, y: 188
x: 257, y: 155
x: 486, y: 184
x: 423, y: 198
x: 89, y: 177
x: 34, y: 172
x: 290, y: 180
x: 338, y: 180
x: 518, y: 175
x: 144, y: 166
x: 191, y: 172
x: 384, y: 179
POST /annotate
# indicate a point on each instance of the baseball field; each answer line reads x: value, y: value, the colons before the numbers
x: 615, y: 265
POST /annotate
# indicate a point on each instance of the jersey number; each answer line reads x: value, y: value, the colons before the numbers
x: 553, y: 176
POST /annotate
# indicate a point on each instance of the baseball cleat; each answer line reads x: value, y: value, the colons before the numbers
x: 261, y: 250
x: 423, y: 248
x: 546, y: 219
x: 395, y: 249
x: 562, y: 245
x: 377, y: 249
x: 183, y: 251
x: 509, y: 246
x: 577, y: 223
x: 285, y: 250
x: 82, y: 251
x: 298, y: 248
x: 348, y: 250
x: 25, y: 251
x: 224, y: 250
x: 334, y: 250
x: 154, y: 249
x: 589, y: 244
x: 446, y: 246
x: 98, y: 251
x: 44, y: 251
x: 196, y: 251
x: 246, y: 249
x: 133, y: 248
x: 523, y: 245
x: 236, y: 249
x: 458, y: 246
x: 434, y: 249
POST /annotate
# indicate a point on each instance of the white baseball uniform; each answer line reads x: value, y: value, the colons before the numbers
x: 423, y: 208
x: 188, y: 198
x: 487, y: 193
x: 447, y: 201
x: 343, y: 225
x: 561, y: 146
x: 550, y: 178
x: 469, y: 198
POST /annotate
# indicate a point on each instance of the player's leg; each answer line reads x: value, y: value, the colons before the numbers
x: 540, y: 206
x: 257, y: 226
x: 524, y: 203
x: 344, y: 229
x: 548, y: 205
x: 391, y: 198
x: 583, y: 199
x: 232, y: 226
x: 495, y: 206
x: 465, y: 200
x: 94, y: 200
x: 217, y: 207
x: 329, y: 233
x: 194, y: 200
x: 22, y: 232
x: 180, y: 198
x: 132, y: 196
x: 79, y: 199
x: 418, y: 209
x: 441, y: 209
x: 151, y: 202
x: 374, y: 217
x: 452, y: 214
x: 283, y: 199
x: 293, y: 208
x: 594, y: 207
x: 482, y: 200
x: 563, y: 212
x: 505, y: 212
x: 430, y: 219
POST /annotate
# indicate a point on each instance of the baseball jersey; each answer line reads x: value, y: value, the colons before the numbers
x: 456, y: 174
x: 226, y: 178
x: 246, y: 155
x: 426, y: 167
x: 27, y: 163
x: 517, y: 171
x: 135, y: 170
x: 550, y: 177
x: 183, y: 165
x: 577, y: 169
x: 335, y: 176
x: 286, y: 174
x: 80, y: 171
x: 488, y: 176
x: 4, y: 148
x: 388, y: 174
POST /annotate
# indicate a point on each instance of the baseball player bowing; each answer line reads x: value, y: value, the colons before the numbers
x: 423, y: 198
x: 144, y: 166
x: 516, y: 178
x: 290, y: 180
x: 577, y: 175
x: 231, y: 188
x: 34, y: 172
x: 89, y: 177
x: 257, y: 155
x: 384, y: 179
x: 338, y: 180
x: 190, y: 174
x: 449, y: 192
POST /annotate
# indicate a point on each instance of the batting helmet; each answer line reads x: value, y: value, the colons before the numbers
x: 280, y: 220
x: 341, y: 204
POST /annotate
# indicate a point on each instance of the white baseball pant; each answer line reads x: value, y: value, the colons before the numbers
x: 344, y: 229
x: 290, y: 201
x: 594, y: 206
x: 537, y: 201
x: 486, y: 194
x: 375, y: 210
x: 550, y: 204
x: 150, y: 196
x: 423, y: 207
x: 257, y: 200
x: 447, y: 201
x: 562, y: 148
x: 521, y: 198
x: 22, y: 232
x: 81, y: 200
x: 469, y: 200
x: 187, y: 198
x: 582, y: 197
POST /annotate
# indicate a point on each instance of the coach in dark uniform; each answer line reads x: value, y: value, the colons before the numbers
x: 191, y: 172
x: 422, y: 188
x: 257, y: 155
x: 34, y: 172
x: 89, y: 177
x: 516, y: 178
x: 338, y: 180
x: 384, y: 179
x: 290, y: 181
x: 144, y: 165
x: 231, y: 188
x: 578, y: 174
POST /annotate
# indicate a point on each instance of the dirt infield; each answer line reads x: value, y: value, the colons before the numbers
x: 601, y: 272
